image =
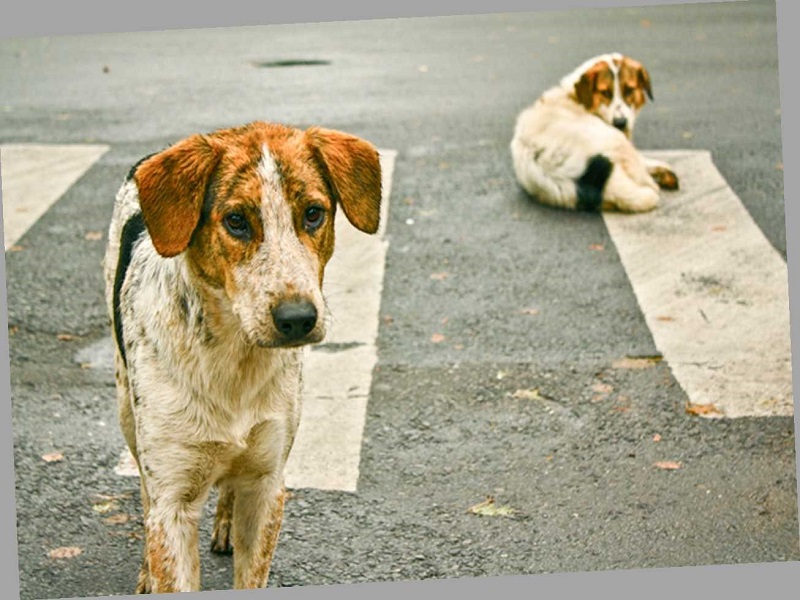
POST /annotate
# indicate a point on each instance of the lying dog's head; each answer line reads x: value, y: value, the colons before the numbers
x: 613, y: 87
x: 252, y: 210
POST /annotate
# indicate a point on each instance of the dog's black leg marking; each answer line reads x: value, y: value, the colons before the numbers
x: 130, y: 233
x: 590, y: 185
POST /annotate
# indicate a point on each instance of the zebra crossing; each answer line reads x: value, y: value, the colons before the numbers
x: 712, y: 289
x: 714, y: 293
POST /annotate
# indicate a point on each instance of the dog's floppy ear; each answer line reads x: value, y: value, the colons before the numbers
x: 644, y: 81
x: 635, y: 68
x: 172, y: 185
x: 587, y: 84
x: 352, y: 171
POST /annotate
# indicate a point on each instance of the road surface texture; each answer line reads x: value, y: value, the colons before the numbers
x: 513, y: 359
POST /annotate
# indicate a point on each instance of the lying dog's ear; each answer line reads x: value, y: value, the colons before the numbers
x: 634, y: 70
x: 644, y: 81
x: 172, y: 185
x: 352, y: 170
x: 586, y: 86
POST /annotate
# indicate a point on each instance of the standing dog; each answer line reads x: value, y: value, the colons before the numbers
x: 213, y: 271
x: 572, y: 148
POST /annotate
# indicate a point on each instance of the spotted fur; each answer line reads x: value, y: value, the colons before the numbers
x: 214, y: 268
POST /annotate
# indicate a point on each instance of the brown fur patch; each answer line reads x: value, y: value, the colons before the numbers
x: 595, y: 86
x: 665, y: 178
x: 634, y: 83
x: 351, y: 168
x: 160, y: 562
x: 172, y: 186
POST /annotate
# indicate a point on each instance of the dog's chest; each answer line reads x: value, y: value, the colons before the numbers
x: 226, y: 398
x: 201, y: 379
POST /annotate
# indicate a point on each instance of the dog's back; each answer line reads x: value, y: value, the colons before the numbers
x: 572, y: 148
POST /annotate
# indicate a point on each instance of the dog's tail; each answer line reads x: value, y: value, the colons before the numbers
x: 589, y: 186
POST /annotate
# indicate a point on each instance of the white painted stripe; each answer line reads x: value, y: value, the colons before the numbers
x: 713, y: 290
x: 327, y: 450
x: 34, y: 176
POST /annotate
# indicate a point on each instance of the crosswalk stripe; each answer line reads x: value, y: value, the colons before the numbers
x: 713, y: 290
x: 34, y: 176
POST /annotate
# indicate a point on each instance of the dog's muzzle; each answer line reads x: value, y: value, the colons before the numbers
x: 620, y: 123
x: 295, y: 320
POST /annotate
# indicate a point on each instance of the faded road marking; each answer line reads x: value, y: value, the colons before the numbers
x: 34, y: 176
x: 713, y: 290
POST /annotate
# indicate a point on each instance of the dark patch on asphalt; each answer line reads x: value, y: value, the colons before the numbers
x: 291, y: 62
x: 336, y: 346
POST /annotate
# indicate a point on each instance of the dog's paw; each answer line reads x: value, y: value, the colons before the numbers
x: 221, y: 538
x: 665, y: 178
x: 143, y: 585
x: 644, y: 200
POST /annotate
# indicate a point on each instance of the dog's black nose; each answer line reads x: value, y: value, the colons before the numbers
x: 620, y: 123
x: 295, y: 320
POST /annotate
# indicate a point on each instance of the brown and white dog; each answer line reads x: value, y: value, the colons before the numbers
x: 573, y: 147
x: 213, y: 271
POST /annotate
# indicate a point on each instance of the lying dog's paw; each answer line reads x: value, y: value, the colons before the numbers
x: 665, y: 178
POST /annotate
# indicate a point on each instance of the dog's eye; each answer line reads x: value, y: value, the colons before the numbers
x: 627, y: 90
x: 313, y: 218
x: 236, y: 225
x: 607, y: 93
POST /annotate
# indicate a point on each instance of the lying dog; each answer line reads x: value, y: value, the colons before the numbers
x: 572, y: 148
x: 213, y: 270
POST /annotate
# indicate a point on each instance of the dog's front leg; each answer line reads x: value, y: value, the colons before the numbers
x: 176, y: 482
x: 258, y: 502
x: 257, y: 517
x: 171, y: 545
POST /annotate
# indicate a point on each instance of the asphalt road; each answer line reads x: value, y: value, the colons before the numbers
x: 443, y: 429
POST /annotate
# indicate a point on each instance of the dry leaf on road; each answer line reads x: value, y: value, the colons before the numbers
x: 602, y: 388
x: 119, y: 519
x: 631, y: 362
x: 65, y: 552
x: 488, y: 508
x: 702, y: 409
x: 667, y: 465
x: 53, y: 457
x: 105, y: 507
x: 532, y: 394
